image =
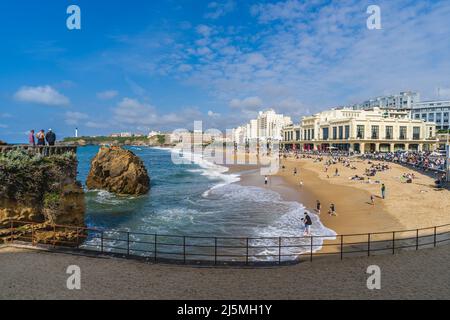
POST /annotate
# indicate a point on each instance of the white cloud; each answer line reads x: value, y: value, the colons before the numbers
x: 185, y: 68
x: 283, y: 10
x: 107, y: 95
x: 134, y: 114
x: 204, y: 30
x: 74, y: 118
x: 247, y: 103
x: 213, y: 114
x: 444, y: 93
x: 45, y: 95
x: 3, y: 126
x: 97, y: 125
x: 219, y: 9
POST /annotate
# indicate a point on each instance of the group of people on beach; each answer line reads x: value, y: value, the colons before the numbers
x: 419, y: 159
x: 41, y: 138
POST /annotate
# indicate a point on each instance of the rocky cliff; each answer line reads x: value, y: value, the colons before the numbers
x: 40, y: 189
x: 118, y: 171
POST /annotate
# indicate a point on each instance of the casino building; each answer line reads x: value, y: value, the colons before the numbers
x: 374, y: 130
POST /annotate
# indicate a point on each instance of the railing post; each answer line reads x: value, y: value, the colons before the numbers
x: 184, y: 249
x: 279, y: 250
x: 393, y: 242
x: 311, y: 252
x: 78, y: 237
x: 342, y: 247
x: 32, y: 234
x: 246, y: 254
x: 368, y: 245
x: 101, y: 241
x: 12, y: 230
x: 434, y: 239
x: 128, y: 243
x: 417, y: 239
x: 215, y: 250
x: 155, y: 248
x: 54, y: 235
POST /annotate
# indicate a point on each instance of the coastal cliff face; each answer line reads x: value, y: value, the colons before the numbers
x: 40, y: 189
x: 118, y: 171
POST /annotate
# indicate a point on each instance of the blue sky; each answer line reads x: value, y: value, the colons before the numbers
x: 141, y: 65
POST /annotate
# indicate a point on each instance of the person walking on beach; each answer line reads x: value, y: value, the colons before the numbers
x: 372, y: 200
x: 266, y: 180
x: 336, y: 173
x: 318, y: 207
x: 308, y: 224
x: 332, y: 211
x: 295, y: 171
x: 383, y: 191
x: 50, y: 137
x: 31, y: 139
x: 40, y: 138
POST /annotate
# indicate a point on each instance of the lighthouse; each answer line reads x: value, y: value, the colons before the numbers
x: 76, y: 132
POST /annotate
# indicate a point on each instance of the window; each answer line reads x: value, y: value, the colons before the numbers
x: 416, y: 133
x: 438, y: 117
x: 430, y: 133
x: 431, y: 117
x: 446, y: 117
x: 334, y: 133
x: 325, y: 133
x: 341, y: 132
x: 389, y: 132
x: 375, y: 132
x: 347, y: 132
x: 417, y: 116
x: 297, y: 135
x: 360, y: 132
x: 403, y: 133
x: 312, y: 134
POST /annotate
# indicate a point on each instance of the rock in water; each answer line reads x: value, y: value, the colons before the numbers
x: 118, y: 171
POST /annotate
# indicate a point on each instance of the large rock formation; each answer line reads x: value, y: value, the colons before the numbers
x: 118, y: 171
x: 40, y: 189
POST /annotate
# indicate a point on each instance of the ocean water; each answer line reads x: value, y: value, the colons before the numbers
x: 197, y: 199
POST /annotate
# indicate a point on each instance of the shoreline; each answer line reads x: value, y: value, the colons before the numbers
x: 406, y: 207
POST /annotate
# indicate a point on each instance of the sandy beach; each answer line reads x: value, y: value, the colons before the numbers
x: 407, y: 206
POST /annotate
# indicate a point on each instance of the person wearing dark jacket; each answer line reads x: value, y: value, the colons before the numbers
x: 50, y: 137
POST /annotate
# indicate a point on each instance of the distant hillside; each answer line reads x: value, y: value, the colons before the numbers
x: 159, y: 140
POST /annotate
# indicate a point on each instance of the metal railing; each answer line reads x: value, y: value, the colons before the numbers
x: 42, y: 150
x: 223, y: 250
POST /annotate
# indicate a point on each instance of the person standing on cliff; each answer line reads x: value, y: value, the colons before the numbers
x: 31, y: 139
x: 40, y: 138
x: 50, y: 137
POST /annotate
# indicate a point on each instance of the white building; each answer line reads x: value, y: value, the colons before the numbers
x: 373, y: 130
x: 267, y: 127
x: 152, y: 134
x: 433, y: 111
x: 403, y: 101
